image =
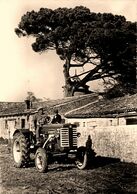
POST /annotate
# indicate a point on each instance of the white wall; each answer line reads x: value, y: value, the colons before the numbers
x: 9, y: 124
x: 110, y: 137
x: 94, y: 122
x: 113, y: 141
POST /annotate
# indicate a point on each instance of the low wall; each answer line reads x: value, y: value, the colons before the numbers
x: 113, y: 141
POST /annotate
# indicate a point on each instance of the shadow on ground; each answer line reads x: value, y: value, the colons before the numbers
x: 101, y: 161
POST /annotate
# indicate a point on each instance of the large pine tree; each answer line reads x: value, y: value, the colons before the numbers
x: 79, y: 36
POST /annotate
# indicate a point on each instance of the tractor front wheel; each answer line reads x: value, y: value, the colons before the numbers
x: 41, y: 160
x: 82, y: 158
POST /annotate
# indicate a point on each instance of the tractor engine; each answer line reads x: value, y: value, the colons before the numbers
x: 60, y: 137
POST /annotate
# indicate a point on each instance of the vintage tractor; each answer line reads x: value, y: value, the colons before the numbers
x: 57, y: 141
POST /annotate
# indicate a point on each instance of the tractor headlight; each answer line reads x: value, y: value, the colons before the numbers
x: 50, y: 146
x: 57, y: 136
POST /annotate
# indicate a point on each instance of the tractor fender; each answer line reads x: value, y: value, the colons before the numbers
x: 25, y: 132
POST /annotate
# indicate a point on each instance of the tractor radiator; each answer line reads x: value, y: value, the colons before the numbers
x: 68, y: 137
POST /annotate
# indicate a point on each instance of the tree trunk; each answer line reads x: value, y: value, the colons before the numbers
x: 68, y: 91
x: 68, y: 88
x: 73, y: 86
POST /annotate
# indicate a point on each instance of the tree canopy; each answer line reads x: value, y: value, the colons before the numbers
x: 31, y: 97
x: 79, y: 36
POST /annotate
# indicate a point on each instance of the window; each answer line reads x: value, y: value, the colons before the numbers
x: 84, y: 124
x: 110, y: 122
x: 15, y: 124
x: 131, y: 121
x: 6, y: 124
x: 22, y: 123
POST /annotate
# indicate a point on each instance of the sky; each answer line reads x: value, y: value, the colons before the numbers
x: 21, y: 69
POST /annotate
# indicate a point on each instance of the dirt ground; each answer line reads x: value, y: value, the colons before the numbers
x: 105, y: 176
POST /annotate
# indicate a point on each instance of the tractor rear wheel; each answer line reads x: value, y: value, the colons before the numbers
x: 41, y: 160
x: 82, y: 158
x: 20, y: 150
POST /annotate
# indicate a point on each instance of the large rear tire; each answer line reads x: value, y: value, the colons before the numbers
x: 82, y: 158
x: 20, y: 150
x: 41, y: 160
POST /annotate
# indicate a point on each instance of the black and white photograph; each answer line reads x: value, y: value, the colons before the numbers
x: 68, y: 97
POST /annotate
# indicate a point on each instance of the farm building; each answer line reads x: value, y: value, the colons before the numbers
x: 12, y: 115
x: 19, y: 114
x: 112, y: 126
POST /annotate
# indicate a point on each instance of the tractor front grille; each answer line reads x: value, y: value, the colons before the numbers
x: 68, y: 137
x: 64, y: 137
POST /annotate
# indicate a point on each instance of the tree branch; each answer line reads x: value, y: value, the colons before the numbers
x: 80, y: 74
x: 77, y: 65
x: 89, y: 75
x: 98, y: 76
x: 85, y: 62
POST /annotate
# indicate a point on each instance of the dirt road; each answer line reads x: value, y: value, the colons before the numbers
x: 107, y: 176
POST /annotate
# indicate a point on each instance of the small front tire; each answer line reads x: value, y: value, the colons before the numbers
x: 41, y: 160
x: 82, y: 158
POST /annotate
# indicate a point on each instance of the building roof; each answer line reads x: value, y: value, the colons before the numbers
x: 11, y: 108
x: 63, y: 105
x: 106, y: 108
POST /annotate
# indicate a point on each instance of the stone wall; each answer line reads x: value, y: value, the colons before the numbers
x: 112, y: 141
